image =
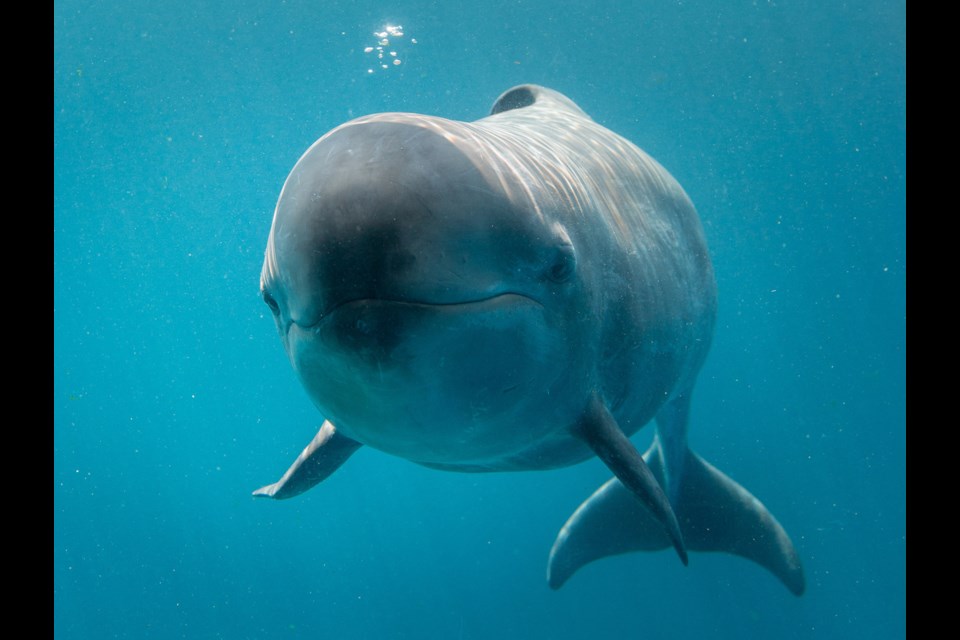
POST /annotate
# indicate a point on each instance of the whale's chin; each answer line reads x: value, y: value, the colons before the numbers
x: 435, y: 383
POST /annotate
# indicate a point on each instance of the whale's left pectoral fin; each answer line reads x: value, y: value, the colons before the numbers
x: 324, y: 455
x: 599, y: 429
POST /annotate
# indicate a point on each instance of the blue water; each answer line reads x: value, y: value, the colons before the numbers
x: 175, y: 125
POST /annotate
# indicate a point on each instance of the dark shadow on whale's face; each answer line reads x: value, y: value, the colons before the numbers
x: 389, y: 210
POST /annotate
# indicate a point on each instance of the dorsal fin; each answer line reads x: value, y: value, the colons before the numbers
x: 527, y: 95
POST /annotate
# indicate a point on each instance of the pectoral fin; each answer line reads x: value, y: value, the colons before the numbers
x: 599, y: 429
x: 324, y: 455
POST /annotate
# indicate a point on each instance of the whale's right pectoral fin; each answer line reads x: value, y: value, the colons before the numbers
x: 324, y: 455
x: 715, y: 514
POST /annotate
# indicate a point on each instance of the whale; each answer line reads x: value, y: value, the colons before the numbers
x: 523, y: 292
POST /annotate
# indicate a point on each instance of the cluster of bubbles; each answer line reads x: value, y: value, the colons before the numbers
x: 387, y: 55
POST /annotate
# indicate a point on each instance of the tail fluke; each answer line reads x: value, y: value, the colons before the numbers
x: 715, y: 514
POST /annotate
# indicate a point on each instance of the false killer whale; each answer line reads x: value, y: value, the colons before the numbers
x: 521, y: 292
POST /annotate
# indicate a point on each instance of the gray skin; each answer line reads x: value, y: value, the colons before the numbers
x: 521, y: 292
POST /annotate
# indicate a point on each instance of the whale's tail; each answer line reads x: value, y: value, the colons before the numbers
x: 714, y: 512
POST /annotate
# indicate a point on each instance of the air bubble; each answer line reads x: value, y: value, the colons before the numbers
x: 383, y: 36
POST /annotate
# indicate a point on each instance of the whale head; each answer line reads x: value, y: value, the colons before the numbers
x: 418, y: 299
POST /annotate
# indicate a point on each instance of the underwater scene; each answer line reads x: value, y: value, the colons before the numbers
x: 497, y: 301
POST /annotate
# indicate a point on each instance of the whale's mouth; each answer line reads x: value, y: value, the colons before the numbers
x: 489, y: 303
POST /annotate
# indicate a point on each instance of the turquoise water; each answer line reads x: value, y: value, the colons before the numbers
x: 175, y: 125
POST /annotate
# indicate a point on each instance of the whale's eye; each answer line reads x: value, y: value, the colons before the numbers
x: 564, y: 264
x: 274, y: 307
